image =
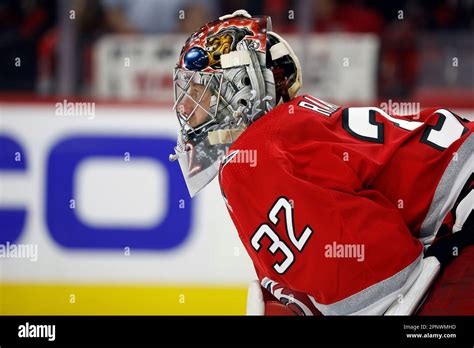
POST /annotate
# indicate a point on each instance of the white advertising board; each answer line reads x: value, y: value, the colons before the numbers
x: 118, y: 203
x: 339, y: 67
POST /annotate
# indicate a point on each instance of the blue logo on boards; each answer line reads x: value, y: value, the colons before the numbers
x: 63, y: 223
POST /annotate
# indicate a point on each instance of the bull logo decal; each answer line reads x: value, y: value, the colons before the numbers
x: 223, y: 42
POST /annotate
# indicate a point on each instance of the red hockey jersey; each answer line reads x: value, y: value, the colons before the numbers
x: 336, y: 202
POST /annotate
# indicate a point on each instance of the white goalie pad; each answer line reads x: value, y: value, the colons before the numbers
x: 417, y: 292
x: 255, y: 302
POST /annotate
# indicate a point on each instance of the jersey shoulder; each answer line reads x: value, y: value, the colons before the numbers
x: 271, y: 136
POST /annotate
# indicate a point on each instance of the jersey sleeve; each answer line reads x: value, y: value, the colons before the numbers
x: 348, y: 249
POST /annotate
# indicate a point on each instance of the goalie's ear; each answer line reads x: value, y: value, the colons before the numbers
x: 285, y: 66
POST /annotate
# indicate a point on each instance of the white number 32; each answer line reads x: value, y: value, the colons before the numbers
x: 277, y: 244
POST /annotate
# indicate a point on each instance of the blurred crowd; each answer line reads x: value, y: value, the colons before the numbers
x: 29, y: 28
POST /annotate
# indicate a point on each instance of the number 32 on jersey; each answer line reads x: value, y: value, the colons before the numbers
x: 277, y: 244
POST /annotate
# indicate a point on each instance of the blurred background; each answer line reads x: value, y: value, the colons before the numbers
x: 86, y: 128
x: 67, y: 46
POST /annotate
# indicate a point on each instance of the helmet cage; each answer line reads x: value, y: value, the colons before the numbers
x: 212, y: 82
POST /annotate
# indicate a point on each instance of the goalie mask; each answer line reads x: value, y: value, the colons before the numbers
x: 223, y: 82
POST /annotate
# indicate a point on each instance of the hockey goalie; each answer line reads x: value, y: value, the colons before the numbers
x: 338, y: 205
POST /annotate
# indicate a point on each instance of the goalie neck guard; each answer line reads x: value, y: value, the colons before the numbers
x: 224, y: 81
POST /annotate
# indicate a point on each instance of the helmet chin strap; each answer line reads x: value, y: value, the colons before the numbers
x: 228, y: 136
x: 224, y: 136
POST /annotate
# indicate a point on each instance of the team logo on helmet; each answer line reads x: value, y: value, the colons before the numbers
x: 223, y: 42
x: 217, y: 44
x: 203, y: 50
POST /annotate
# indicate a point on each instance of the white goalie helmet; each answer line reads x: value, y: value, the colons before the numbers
x: 230, y: 72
